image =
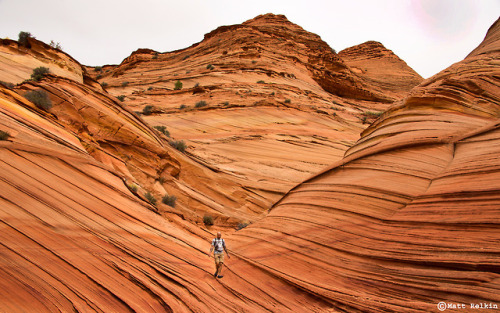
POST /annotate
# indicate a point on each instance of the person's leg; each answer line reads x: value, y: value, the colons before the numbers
x: 221, y: 265
x: 216, y: 266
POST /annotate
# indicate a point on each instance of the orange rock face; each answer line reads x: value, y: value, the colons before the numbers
x: 410, y: 217
x: 381, y: 67
x: 406, y: 217
x: 266, y: 103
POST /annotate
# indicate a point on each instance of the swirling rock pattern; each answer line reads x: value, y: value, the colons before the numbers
x: 410, y: 216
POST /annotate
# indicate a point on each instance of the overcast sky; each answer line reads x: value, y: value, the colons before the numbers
x: 429, y: 35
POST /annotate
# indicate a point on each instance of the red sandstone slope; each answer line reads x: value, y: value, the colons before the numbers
x: 17, y: 62
x: 75, y: 239
x: 410, y: 216
x: 381, y: 67
x: 280, y: 103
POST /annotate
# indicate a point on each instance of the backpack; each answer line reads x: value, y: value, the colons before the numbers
x: 219, y: 244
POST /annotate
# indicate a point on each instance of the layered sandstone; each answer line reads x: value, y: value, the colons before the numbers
x: 381, y: 67
x: 17, y: 62
x: 410, y: 217
x: 280, y: 103
x: 74, y: 238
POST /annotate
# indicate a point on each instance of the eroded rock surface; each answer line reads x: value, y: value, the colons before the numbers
x: 410, y: 216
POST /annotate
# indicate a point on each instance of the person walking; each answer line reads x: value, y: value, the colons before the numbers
x: 218, y: 247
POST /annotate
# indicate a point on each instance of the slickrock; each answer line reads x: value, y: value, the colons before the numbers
x: 381, y: 67
x: 117, y: 137
x: 74, y: 238
x: 17, y: 62
x: 265, y: 102
x: 410, y: 217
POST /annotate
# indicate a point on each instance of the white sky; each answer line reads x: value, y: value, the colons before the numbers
x: 429, y: 35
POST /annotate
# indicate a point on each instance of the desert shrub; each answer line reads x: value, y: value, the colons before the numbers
x: 196, y: 85
x: 120, y: 97
x: 39, y: 72
x: 155, y: 56
x: 254, y: 62
x: 150, y: 88
x: 163, y: 130
x: 40, y: 98
x: 178, y: 85
x: 7, y: 85
x: 99, y: 76
x: 179, y: 145
x: 288, y: 101
x: 169, y: 200
x: 124, y: 84
x: 23, y: 39
x: 372, y: 114
x: 261, y: 82
x: 183, y: 106
x: 148, y: 110
x: 241, y: 225
x: 55, y: 45
x: 150, y: 198
x: 98, y: 68
x: 272, y: 93
x: 226, y: 103
x: 104, y: 85
x: 200, y: 104
x: 132, y: 187
x: 4, y: 135
x: 208, y: 220
x: 210, y: 67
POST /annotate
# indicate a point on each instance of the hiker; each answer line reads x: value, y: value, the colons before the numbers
x: 218, y: 246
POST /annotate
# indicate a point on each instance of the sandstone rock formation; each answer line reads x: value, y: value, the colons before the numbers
x: 265, y: 102
x: 74, y: 237
x: 381, y: 67
x: 17, y: 62
x: 406, y: 217
x: 410, y: 217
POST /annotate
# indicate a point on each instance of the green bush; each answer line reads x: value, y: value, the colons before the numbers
x: 7, y: 85
x: 150, y: 198
x: 196, y: 85
x: 179, y: 145
x: 98, y: 68
x: 208, y: 220
x: 288, y: 101
x: 155, y: 56
x: 55, y: 45
x: 124, y: 84
x: 39, y: 98
x: 39, y: 72
x: 178, y: 85
x: 132, y: 187
x: 226, y: 103
x: 148, y: 110
x: 4, y: 135
x: 23, y: 39
x: 372, y: 114
x: 241, y: 226
x: 120, y: 97
x: 163, y: 130
x: 183, y: 106
x: 261, y: 82
x: 104, y: 85
x: 210, y: 67
x: 150, y: 88
x: 200, y: 104
x: 169, y: 200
